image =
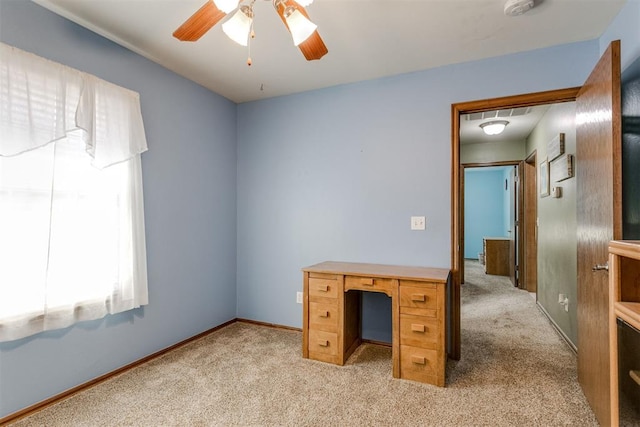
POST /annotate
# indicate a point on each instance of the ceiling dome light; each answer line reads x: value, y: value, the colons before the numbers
x: 301, y: 28
x: 494, y: 127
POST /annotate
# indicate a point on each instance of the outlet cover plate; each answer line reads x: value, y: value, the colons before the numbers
x: 299, y: 297
x: 418, y: 223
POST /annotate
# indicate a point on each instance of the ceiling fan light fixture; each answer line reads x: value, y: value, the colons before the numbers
x: 494, y: 127
x: 227, y: 6
x: 239, y: 26
x: 304, y: 3
x: 300, y: 27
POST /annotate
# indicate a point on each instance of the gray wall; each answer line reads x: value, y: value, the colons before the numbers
x: 492, y: 152
x: 557, y: 256
x: 189, y: 178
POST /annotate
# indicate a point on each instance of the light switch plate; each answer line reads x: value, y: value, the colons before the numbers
x: 418, y: 223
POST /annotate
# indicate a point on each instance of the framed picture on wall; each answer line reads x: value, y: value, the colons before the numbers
x: 543, y: 178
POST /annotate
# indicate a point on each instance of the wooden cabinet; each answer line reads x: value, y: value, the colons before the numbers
x: 331, y: 315
x: 496, y: 255
x: 624, y: 305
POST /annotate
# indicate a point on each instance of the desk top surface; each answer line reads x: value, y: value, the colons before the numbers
x: 380, y: 270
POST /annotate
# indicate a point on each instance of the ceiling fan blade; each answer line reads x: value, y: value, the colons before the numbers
x: 313, y: 47
x: 199, y: 23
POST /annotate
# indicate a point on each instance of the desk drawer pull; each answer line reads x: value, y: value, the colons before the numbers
x: 323, y: 288
x: 418, y: 297
x: 416, y: 327
x: 323, y: 343
x: 366, y: 282
x: 418, y: 360
x: 324, y: 313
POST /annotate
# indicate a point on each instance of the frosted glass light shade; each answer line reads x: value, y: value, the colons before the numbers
x: 495, y: 127
x: 304, y: 3
x: 238, y: 27
x: 301, y: 28
x: 226, y: 5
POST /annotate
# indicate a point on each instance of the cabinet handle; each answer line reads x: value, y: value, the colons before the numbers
x: 324, y: 313
x: 635, y: 375
x: 366, y: 282
x: 416, y: 327
x: 418, y: 360
x: 323, y: 288
x: 418, y: 297
x: 323, y: 343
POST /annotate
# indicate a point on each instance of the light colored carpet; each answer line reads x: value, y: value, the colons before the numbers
x: 514, y: 370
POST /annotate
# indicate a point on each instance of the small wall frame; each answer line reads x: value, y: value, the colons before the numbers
x: 555, y: 147
x: 562, y: 168
x: 543, y: 178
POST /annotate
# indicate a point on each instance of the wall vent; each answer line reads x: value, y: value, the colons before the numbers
x: 510, y: 112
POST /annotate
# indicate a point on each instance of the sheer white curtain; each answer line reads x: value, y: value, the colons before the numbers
x: 72, y: 241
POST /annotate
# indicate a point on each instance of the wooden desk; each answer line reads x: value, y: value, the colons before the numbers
x: 331, y: 326
x: 496, y: 255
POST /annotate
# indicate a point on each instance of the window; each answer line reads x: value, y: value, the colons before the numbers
x: 71, y: 215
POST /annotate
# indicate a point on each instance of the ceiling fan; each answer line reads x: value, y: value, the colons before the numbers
x: 239, y: 27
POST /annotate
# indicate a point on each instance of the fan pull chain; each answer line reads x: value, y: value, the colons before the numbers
x: 253, y: 36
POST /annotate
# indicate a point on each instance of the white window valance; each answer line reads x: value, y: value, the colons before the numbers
x: 72, y: 239
x: 43, y: 101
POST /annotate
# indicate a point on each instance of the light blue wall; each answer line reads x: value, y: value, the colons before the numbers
x: 189, y: 177
x: 328, y: 174
x: 336, y: 174
x: 486, y: 206
x: 626, y: 28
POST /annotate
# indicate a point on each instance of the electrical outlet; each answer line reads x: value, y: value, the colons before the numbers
x: 563, y: 300
x: 299, y: 297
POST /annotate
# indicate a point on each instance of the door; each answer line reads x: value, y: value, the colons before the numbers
x: 599, y: 219
x: 515, y: 220
x: 529, y: 262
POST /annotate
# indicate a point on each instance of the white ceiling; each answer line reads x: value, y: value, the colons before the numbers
x: 367, y: 39
x: 521, y: 122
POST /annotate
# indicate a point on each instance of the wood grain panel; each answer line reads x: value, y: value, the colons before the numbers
x: 630, y: 276
x: 199, y: 23
x: 323, y: 317
x: 369, y: 284
x: 599, y: 220
x: 419, y: 331
x: 420, y: 298
x: 420, y: 364
x: 324, y: 288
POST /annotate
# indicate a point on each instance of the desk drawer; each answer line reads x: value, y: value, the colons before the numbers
x: 419, y: 297
x: 368, y: 284
x: 323, y: 342
x: 419, y: 364
x: 323, y: 317
x: 326, y: 288
x: 419, y: 331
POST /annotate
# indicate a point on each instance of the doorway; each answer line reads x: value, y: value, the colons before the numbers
x: 457, y: 232
x: 491, y: 209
